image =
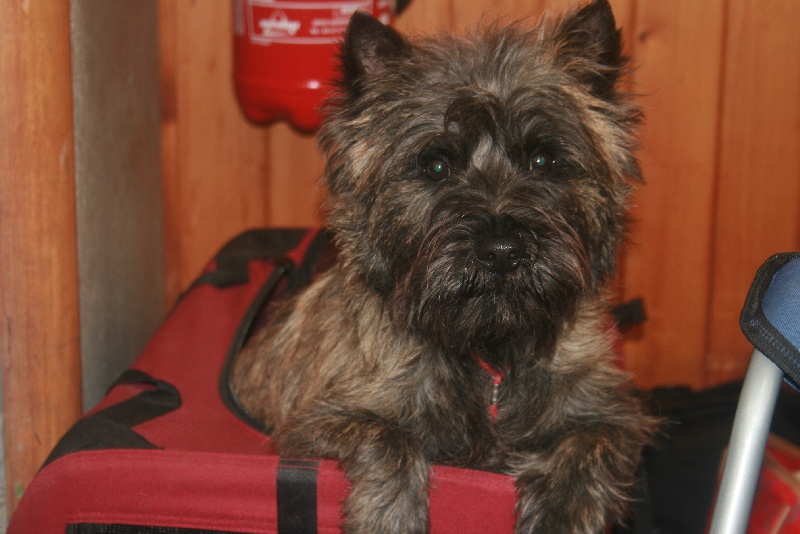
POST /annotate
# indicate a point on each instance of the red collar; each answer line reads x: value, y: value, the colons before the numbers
x: 497, y: 378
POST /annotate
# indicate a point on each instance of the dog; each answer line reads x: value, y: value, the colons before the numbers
x: 477, y: 188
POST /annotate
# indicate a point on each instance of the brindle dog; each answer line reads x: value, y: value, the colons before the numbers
x: 477, y: 188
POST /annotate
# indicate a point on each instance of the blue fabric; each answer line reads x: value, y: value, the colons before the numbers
x: 781, y: 302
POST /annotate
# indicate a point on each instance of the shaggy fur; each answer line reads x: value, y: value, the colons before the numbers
x: 477, y: 189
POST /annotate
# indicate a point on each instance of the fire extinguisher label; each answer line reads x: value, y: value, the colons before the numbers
x: 300, y: 22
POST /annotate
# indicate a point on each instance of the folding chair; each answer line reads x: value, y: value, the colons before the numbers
x: 771, y: 322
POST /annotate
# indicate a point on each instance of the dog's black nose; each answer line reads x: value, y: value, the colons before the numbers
x: 501, y: 254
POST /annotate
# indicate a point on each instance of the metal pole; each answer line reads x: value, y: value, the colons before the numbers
x: 746, y: 450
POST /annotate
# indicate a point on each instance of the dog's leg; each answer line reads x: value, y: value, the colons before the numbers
x: 384, y: 463
x: 578, y: 484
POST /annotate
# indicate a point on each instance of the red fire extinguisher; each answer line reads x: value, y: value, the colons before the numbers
x: 284, y: 54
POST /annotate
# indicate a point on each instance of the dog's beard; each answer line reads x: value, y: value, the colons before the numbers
x: 449, y: 297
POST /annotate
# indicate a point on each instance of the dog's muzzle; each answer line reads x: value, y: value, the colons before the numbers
x: 501, y: 254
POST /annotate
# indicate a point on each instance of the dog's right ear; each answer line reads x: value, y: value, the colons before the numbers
x: 592, y: 48
x: 367, y: 46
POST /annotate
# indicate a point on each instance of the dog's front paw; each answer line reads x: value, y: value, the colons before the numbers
x: 545, y: 507
x: 389, y: 497
x: 578, y: 486
x: 384, y: 463
x: 367, y: 512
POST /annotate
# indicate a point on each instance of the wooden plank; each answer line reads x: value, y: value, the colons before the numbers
x: 668, y: 262
x: 170, y: 160
x: 468, y: 13
x: 624, y: 14
x: 39, y: 335
x: 758, y: 191
x: 296, y: 193
x: 426, y: 16
x: 215, y: 162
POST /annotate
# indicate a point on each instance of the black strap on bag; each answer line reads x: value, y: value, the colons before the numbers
x: 258, y: 244
x: 297, y: 496
x: 111, y: 427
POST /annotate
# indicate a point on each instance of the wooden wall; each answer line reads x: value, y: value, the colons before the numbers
x: 720, y: 83
x: 39, y: 336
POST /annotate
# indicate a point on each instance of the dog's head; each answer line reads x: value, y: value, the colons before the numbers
x: 480, y: 184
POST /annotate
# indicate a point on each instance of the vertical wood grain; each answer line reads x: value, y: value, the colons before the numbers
x: 758, y: 188
x: 424, y: 17
x: 467, y: 14
x: 214, y: 161
x: 39, y: 335
x: 677, y: 56
x: 296, y: 194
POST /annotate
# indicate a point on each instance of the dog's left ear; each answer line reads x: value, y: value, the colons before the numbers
x: 368, y: 45
x: 591, y: 47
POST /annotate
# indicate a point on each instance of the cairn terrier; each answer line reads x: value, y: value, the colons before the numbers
x: 477, y: 189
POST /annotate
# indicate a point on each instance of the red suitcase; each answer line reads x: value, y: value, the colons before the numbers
x: 167, y: 451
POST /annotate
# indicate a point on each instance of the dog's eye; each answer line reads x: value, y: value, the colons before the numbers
x: 542, y: 162
x: 437, y: 169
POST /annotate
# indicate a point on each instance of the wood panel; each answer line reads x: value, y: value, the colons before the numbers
x: 758, y: 189
x: 430, y: 16
x: 296, y: 194
x: 423, y: 17
x: 214, y: 161
x: 38, y: 258
x: 468, y: 14
x: 668, y: 261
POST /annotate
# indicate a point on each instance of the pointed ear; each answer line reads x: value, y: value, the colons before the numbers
x: 368, y: 45
x: 592, y: 47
